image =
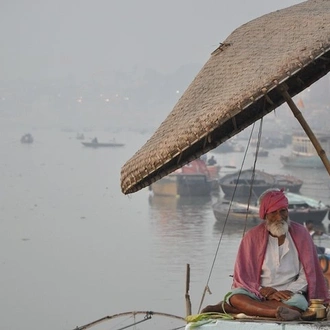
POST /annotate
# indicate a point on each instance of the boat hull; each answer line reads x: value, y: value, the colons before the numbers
x: 264, y: 324
x: 240, y: 184
x: 183, y: 185
x: 102, y: 145
x: 302, y: 216
x: 302, y: 161
x: 238, y: 214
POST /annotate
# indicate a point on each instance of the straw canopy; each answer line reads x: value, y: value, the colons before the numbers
x: 239, y: 84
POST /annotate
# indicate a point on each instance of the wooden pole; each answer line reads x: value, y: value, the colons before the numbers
x: 297, y: 113
x: 188, y: 302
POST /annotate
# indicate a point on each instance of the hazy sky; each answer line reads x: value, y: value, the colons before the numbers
x: 53, y: 38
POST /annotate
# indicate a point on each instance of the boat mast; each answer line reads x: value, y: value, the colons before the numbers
x: 297, y: 113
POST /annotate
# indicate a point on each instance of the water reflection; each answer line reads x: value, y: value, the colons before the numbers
x: 181, y: 217
x: 231, y: 228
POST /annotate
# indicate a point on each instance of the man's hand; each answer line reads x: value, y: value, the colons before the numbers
x: 267, y: 291
x: 280, y: 295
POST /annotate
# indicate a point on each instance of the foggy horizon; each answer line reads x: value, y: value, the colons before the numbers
x: 50, y: 40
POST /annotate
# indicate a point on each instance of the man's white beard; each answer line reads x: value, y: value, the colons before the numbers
x: 278, y: 228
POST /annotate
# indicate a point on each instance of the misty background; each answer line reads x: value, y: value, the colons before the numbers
x: 76, y: 64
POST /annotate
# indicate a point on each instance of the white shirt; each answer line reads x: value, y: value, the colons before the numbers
x: 281, y: 268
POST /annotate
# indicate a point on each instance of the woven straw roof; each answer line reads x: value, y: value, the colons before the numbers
x: 237, y: 86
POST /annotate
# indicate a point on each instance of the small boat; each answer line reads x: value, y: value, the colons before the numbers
x: 241, y: 184
x: 301, y: 209
x: 235, y: 213
x: 102, y: 144
x: 192, y: 179
x: 27, y: 138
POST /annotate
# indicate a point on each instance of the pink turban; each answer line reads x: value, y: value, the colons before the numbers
x: 272, y: 201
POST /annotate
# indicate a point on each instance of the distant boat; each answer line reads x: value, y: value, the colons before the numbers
x: 240, y: 184
x: 102, y: 144
x: 303, y: 154
x: 307, y: 161
x: 27, y: 138
x: 301, y: 209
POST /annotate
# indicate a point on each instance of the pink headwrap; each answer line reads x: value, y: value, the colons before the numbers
x: 272, y: 201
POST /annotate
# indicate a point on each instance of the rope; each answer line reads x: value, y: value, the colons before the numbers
x: 206, y: 288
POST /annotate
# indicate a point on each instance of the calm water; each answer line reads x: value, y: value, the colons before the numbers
x: 75, y: 249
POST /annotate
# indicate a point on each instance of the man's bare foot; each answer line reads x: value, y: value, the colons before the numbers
x: 219, y: 308
x: 286, y: 314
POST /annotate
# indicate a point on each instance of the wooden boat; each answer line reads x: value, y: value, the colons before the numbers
x: 192, y: 179
x: 240, y: 183
x: 27, y: 138
x: 301, y: 209
x: 235, y: 213
x: 102, y: 144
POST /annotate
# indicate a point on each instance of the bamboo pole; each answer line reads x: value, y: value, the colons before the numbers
x: 187, y: 296
x: 297, y: 113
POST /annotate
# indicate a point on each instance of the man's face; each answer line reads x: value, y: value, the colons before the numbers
x: 278, y: 216
x: 277, y: 222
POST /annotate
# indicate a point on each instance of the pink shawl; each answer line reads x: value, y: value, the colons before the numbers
x: 251, y: 255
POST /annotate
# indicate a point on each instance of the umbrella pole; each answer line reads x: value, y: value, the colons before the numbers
x: 297, y: 113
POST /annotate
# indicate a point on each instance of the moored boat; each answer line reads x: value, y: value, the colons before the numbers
x: 235, y: 213
x: 303, y: 153
x: 241, y: 183
x: 192, y: 179
x: 301, y: 209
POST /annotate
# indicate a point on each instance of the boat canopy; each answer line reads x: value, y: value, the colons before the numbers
x: 261, y: 65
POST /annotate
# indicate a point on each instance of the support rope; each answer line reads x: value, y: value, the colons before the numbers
x: 206, y: 288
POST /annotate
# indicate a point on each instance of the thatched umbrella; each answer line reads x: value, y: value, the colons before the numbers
x: 257, y: 68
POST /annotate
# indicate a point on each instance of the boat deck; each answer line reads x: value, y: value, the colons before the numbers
x: 258, y: 324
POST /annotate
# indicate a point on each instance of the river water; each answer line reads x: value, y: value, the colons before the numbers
x: 75, y: 249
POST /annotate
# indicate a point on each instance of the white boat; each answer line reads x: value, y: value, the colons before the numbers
x: 303, y: 153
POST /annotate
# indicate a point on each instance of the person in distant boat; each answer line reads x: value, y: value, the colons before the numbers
x: 211, y: 161
x: 95, y: 140
x: 277, y: 269
x: 310, y: 228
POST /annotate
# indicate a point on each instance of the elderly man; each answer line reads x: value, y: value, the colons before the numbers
x: 277, y: 269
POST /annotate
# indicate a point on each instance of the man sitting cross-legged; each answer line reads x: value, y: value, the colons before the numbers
x: 277, y: 269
